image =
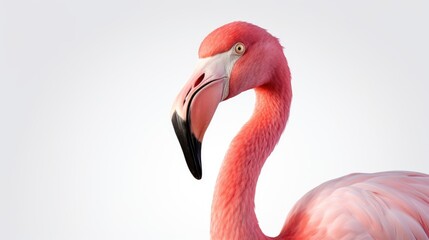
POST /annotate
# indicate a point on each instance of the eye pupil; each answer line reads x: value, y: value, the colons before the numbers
x: 239, y: 48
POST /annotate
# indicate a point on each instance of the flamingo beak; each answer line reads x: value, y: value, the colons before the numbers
x: 195, y: 106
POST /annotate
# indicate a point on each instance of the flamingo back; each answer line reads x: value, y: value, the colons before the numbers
x: 387, y: 205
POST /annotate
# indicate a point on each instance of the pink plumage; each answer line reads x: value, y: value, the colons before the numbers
x: 241, y: 56
x: 387, y: 205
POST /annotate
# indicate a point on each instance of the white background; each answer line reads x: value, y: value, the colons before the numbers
x: 87, y: 150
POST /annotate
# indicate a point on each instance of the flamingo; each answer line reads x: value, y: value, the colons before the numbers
x: 240, y: 56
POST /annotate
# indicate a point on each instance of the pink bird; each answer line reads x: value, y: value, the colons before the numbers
x: 240, y: 56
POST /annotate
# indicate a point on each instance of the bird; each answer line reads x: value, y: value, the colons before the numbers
x: 239, y: 56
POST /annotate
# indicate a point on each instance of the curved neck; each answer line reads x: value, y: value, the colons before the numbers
x: 233, y: 215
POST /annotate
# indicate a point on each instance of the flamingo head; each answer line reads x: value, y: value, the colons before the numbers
x: 233, y: 58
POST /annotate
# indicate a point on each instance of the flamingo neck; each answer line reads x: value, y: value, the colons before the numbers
x: 233, y: 215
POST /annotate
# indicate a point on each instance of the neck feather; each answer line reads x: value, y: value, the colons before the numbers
x: 233, y: 215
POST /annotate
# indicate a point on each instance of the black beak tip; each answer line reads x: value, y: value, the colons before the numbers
x: 197, y: 175
x: 191, y: 147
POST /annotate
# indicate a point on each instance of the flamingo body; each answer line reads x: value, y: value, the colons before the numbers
x: 241, y: 56
x: 386, y: 205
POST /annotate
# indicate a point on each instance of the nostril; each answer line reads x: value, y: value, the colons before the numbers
x: 196, y: 83
x: 199, y: 80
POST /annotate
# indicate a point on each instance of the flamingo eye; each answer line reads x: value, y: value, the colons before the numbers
x: 239, y: 48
